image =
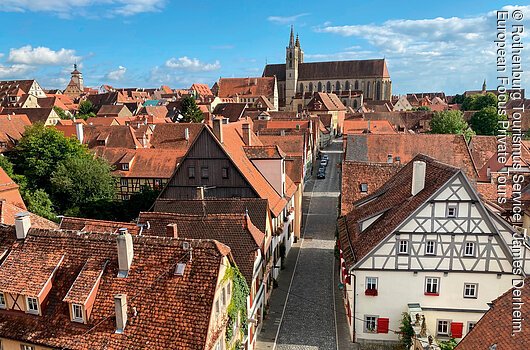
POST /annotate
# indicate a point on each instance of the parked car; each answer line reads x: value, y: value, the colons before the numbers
x: 325, y: 157
x: 323, y: 163
x: 321, y: 174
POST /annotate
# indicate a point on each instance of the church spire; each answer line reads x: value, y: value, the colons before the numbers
x: 291, y: 39
x: 297, y: 43
x: 484, y: 86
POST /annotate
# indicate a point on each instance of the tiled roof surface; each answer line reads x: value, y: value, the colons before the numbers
x: 374, y: 175
x: 292, y: 145
x: 202, y: 89
x: 93, y: 225
x: 329, y: 102
x: 395, y: 201
x: 230, y: 87
x: 263, y: 152
x: 172, y: 135
x: 332, y: 70
x: 257, y: 208
x: 234, y: 230
x: 352, y: 126
x: 9, y: 210
x: 88, y: 277
x: 34, y: 114
x: 374, y: 148
x: 117, y: 136
x: 12, y: 127
x: 9, y: 190
x: 232, y: 111
x: 494, y: 329
x: 172, y: 312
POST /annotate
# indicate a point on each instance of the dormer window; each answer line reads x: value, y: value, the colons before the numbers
x: 125, y: 166
x: 2, y: 301
x: 77, y: 313
x: 32, y: 305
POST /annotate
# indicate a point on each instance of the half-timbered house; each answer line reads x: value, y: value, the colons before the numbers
x: 425, y: 244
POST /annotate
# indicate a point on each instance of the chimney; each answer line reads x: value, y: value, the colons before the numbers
x: 218, y: 129
x: 172, y: 231
x: 187, y: 134
x: 418, y: 177
x: 22, y: 224
x: 125, y: 252
x: 200, y: 192
x: 120, y: 306
x: 246, y: 134
x: 79, y: 132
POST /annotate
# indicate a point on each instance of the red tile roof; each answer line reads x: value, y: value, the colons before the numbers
x: 11, y: 129
x: 494, y: 329
x: 246, y: 87
x: 150, y: 287
x: 395, y: 201
x: 202, y: 89
x: 93, y: 225
x: 352, y: 126
x: 263, y: 152
x: 292, y: 145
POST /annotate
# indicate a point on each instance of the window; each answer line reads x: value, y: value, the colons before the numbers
x: 430, y: 248
x: 33, y: 305
x: 228, y: 291
x: 470, y: 326
x: 2, y: 301
x: 77, y: 312
x: 470, y: 290
x: 26, y: 347
x: 225, y: 173
x: 371, y: 286
x: 451, y: 211
x: 370, y: 323
x: 158, y: 182
x: 364, y: 187
x: 191, y: 172
x: 204, y: 172
x: 123, y: 181
x: 432, y: 286
x: 443, y: 327
x: 217, y: 309
x: 469, y: 249
x: 223, y: 297
x: 403, y: 247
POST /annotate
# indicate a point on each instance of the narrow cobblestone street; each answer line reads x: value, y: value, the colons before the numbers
x: 305, y: 311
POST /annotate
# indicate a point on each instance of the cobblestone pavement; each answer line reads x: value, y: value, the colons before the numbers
x: 302, y: 314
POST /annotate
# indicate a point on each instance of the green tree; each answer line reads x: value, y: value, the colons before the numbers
x: 61, y: 113
x: 38, y: 202
x: 478, y: 102
x: 458, y: 99
x: 448, y: 122
x: 448, y: 344
x: 39, y: 152
x: 486, y: 121
x: 86, y: 110
x: 191, y: 113
x: 406, y: 331
x: 79, y: 181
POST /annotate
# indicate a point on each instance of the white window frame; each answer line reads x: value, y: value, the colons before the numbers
x: 429, y: 281
x: 26, y: 347
x: 449, y: 208
x: 471, y: 325
x: 472, y: 245
x: 123, y: 181
x: 475, y: 289
x: 75, y: 318
x: 372, y: 281
x: 125, y: 166
x: 368, y: 330
x: 406, y: 245
x: 448, y: 325
x: 3, y: 303
x: 433, y: 252
x: 28, y: 304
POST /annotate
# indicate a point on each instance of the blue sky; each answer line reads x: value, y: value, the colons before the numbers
x: 434, y: 46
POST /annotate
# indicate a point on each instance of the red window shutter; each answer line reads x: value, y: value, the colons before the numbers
x: 382, y: 325
x: 456, y: 329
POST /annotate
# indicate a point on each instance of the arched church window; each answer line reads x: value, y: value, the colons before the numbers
x: 347, y: 85
x: 356, y: 84
x: 328, y: 86
x: 310, y: 87
x: 319, y: 86
x: 301, y: 87
x: 337, y: 86
x: 368, y: 92
x: 378, y: 90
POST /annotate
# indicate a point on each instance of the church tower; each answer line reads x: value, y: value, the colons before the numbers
x: 293, y: 56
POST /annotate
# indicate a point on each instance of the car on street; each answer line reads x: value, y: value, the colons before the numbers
x: 321, y: 174
x: 325, y: 157
x: 323, y: 162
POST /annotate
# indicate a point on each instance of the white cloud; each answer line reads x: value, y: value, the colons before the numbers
x: 285, y: 19
x: 439, y: 53
x: 41, y: 56
x: 191, y: 64
x: 14, y: 71
x: 66, y: 8
x: 117, y: 74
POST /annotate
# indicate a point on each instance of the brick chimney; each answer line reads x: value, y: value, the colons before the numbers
x: 120, y: 306
x: 172, y: 231
x: 218, y: 129
x: 125, y: 252
x: 246, y: 134
x: 418, y: 177
x: 22, y: 224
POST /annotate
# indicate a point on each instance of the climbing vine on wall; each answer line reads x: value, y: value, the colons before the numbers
x: 238, y: 304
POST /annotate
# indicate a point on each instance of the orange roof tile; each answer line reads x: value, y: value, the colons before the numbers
x: 246, y: 87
